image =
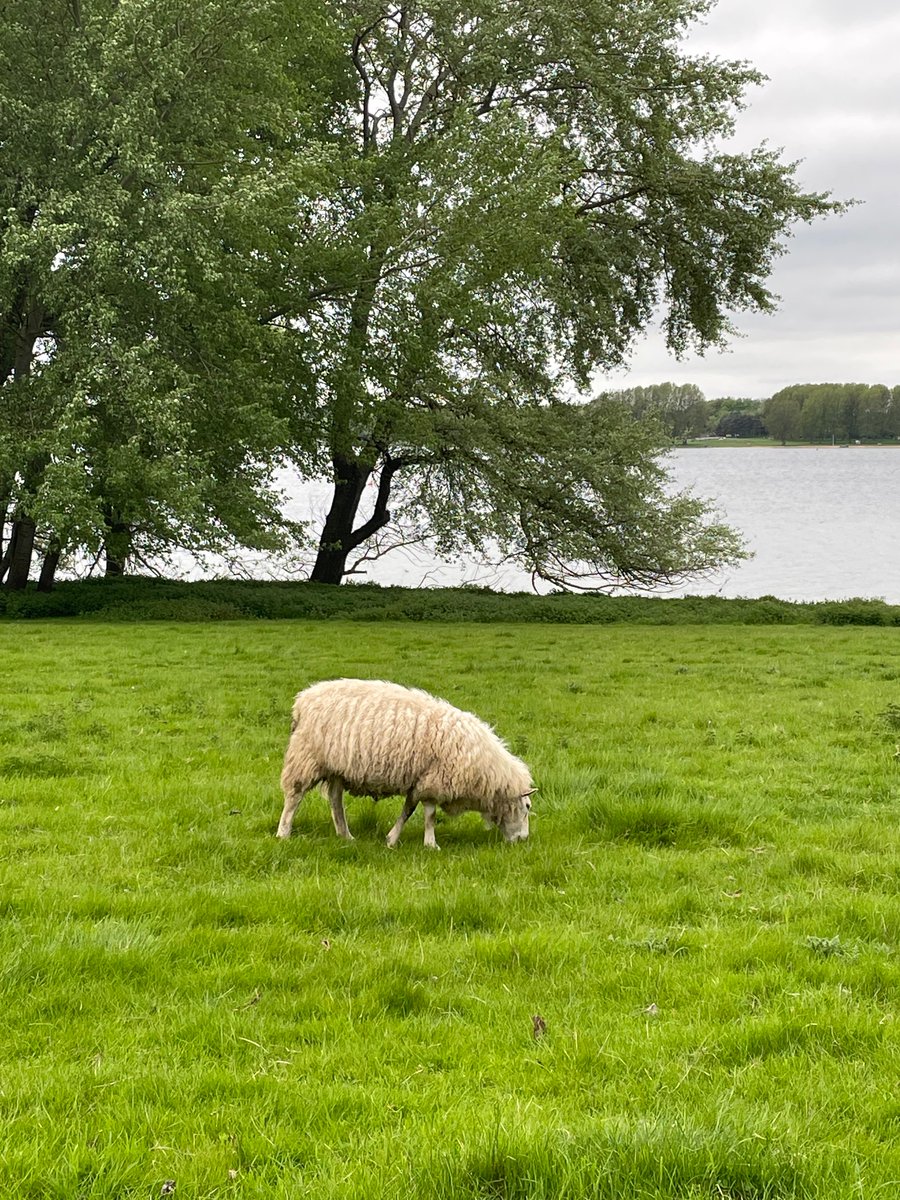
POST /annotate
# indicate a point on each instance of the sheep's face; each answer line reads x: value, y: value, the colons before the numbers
x: 514, y: 822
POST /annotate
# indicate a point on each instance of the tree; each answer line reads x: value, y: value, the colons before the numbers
x: 740, y: 425
x: 781, y: 414
x: 149, y: 154
x: 576, y: 492
x: 722, y: 406
x: 679, y: 407
x: 824, y: 417
x: 513, y: 194
x: 874, y: 414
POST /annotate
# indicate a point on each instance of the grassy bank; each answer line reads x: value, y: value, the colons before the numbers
x: 135, y: 599
x: 706, y: 919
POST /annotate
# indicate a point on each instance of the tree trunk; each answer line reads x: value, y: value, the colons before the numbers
x: 21, y: 550
x: 31, y: 319
x: 114, y: 567
x: 336, y: 541
x: 117, y: 545
x: 49, y: 565
x: 338, y: 536
x: 4, y: 547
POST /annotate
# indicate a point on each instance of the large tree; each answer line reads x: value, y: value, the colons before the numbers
x: 149, y: 154
x: 511, y: 193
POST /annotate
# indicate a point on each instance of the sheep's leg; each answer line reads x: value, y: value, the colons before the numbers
x: 429, y: 826
x: 335, y: 790
x: 298, y: 775
x: 292, y: 798
x: 409, y: 807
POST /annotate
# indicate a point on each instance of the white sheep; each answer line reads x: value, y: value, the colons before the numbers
x: 379, y: 739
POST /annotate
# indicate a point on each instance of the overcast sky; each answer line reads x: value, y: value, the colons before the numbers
x: 832, y: 100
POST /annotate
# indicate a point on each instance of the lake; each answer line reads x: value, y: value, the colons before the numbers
x: 823, y: 524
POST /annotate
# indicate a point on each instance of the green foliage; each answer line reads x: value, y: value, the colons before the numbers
x: 150, y: 154
x: 680, y: 408
x: 575, y: 493
x: 781, y: 414
x: 839, y: 412
x: 740, y: 425
x: 705, y: 918
x: 520, y: 192
x: 383, y: 242
x: 683, y: 412
x: 135, y: 600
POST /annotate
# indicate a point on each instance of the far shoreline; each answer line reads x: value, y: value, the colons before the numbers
x: 770, y: 444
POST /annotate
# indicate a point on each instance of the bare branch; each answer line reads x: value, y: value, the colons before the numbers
x: 425, y: 104
x: 383, y: 543
x: 609, y: 200
x: 358, y: 41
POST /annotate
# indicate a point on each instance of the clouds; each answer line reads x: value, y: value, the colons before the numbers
x: 832, y: 101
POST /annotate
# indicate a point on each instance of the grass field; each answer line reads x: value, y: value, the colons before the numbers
x: 706, y: 919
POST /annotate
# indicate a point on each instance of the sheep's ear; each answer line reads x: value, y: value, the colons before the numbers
x: 530, y: 792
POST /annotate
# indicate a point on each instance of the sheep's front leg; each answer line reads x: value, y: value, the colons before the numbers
x: 430, y: 810
x: 409, y: 807
x: 335, y: 791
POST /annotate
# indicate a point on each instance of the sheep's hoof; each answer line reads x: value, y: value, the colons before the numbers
x: 432, y: 846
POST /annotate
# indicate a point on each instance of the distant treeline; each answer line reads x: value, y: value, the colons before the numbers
x: 809, y: 412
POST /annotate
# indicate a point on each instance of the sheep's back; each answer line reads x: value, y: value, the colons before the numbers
x: 378, y: 737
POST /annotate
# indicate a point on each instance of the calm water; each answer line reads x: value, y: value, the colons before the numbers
x: 822, y: 524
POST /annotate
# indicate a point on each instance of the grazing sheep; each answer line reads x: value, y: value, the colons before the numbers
x: 379, y: 739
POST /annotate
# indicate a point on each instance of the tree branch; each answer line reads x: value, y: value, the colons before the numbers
x: 381, y: 515
x: 366, y: 82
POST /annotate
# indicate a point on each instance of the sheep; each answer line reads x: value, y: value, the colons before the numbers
x: 380, y: 739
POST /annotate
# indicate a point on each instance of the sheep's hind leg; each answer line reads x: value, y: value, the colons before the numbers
x: 429, y: 826
x: 335, y: 789
x: 292, y: 798
x: 409, y: 807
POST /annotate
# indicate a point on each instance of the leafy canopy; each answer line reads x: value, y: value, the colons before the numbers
x: 517, y: 190
x: 149, y: 153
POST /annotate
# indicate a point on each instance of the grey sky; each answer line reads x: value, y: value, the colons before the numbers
x: 832, y: 100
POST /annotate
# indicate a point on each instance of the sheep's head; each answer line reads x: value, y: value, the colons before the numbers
x: 513, y: 820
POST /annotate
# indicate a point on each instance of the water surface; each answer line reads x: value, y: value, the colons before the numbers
x: 823, y: 524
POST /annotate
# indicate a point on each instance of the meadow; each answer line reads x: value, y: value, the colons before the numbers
x: 685, y: 984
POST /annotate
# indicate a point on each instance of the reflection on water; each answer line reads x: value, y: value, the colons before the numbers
x: 823, y: 524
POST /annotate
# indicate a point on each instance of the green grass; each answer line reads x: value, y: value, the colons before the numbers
x: 707, y: 918
x: 731, y: 442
